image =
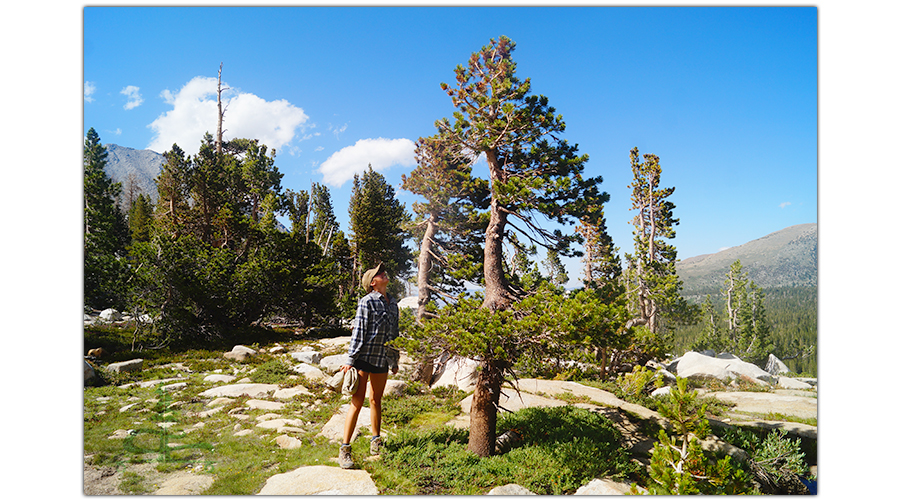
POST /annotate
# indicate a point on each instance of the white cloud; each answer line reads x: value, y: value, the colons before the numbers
x: 194, y: 112
x: 784, y: 204
x: 134, y: 96
x: 89, y: 89
x: 380, y: 153
x: 338, y: 130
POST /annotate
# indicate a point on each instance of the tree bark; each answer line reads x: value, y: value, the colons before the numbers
x: 425, y: 370
x: 483, y: 415
x: 496, y: 288
x: 651, y: 250
x: 497, y: 296
x: 425, y: 262
x: 221, y: 114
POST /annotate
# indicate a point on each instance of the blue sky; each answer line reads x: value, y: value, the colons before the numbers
x: 630, y: 86
x: 726, y: 97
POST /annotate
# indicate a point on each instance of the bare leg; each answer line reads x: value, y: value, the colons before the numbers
x: 378, y: 381
x: 356, y: 404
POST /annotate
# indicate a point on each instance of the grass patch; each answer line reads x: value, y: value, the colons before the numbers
x: 563, y: 448
x: 133, y: 484
x: 422, y: 411
x: 781, y: 417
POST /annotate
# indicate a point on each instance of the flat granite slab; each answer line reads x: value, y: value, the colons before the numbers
x: 320, y: 480
x: 762, y: 403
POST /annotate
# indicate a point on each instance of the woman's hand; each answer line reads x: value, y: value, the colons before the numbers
x: 345, y: 368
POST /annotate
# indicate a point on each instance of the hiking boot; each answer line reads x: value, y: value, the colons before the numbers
x: 375, y: 446
x: 345, y: 459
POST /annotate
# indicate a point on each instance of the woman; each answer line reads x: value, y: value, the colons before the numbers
x: 375, y: 324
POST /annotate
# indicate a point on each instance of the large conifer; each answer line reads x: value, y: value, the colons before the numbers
x: 377, y: 220
x: 534, y: 174
x: 652, y: 281
x: 106, y: 234
x: 450, y: 221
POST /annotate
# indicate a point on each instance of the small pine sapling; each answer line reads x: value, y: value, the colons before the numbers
x: 678, y: 465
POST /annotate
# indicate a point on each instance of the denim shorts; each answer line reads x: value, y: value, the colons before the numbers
x: 368, y: 367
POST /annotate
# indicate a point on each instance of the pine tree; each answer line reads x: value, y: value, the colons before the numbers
x: 377, y: 220
x: 140, y: 218
x: 603, y: 280
x: 313, y: 221
x: 450, y: 226
x: 602, y: 266
x: 106, y: 234
x: 324, y: 223
x: 521, y: 268
x: 450, y: 221
x: 533, y: 173
x: 297, y: 206
x: 711, y: 337
x: 556, y: 271
x: 173, y: 192
x: 747, y: 330
x: 215, y: 261
x: 678, y: 465
x: 652, y: 281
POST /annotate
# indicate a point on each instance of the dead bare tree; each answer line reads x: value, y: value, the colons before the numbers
x: 219, y: 130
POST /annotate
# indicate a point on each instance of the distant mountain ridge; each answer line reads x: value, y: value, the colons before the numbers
x: 785, y: 258
x: 142, y: 165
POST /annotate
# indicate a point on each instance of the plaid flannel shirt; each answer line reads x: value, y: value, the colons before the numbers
x: 376, y: 322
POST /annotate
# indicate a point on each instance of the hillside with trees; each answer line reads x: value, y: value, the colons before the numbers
x: 782, y: 269
x: 784, y: 259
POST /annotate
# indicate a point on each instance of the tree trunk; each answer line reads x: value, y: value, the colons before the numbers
x: 424, y: 371
x: 651, y: 252
x: 221, y: 115
x: 425, y: 262
x: 496, y: 288
x: 483, y: 415
x: 602, y: 357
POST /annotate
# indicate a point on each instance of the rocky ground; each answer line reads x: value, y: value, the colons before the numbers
x: 325, y: 479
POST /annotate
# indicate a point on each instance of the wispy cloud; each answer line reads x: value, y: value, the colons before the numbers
x: 380, y: 153
x: 134, y: 96
x: 784, y: 204
x: 194, y: 112
x: 89, y: 89
x: 337, y: 131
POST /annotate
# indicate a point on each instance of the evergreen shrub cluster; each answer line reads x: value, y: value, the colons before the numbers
x: 562, y: 448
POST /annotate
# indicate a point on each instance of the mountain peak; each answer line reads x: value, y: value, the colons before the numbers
x: 140, y: 166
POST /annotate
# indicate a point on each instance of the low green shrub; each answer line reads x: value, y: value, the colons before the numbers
x: 776, y: 461
x: 272, y: 372
x: 562, y: 449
